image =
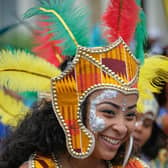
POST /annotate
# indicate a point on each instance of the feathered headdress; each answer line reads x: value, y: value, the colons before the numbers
x: 140, y: 35
x: 121, y: 18
x: 147, y: 103
x: 112, y: 67
x: 18, y: 65
x: 11, y: 109
x: 45, y: 47
x: 69, y: 23
x: 154, y: 76
x: 154, y: 73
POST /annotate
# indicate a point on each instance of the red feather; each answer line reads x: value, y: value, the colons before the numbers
x: 121, y: 17
x: 45, y: 46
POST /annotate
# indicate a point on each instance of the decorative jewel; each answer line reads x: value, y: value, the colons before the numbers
x: 123, y: 109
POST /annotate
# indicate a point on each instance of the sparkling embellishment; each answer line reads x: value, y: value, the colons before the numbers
x: 124, y: 105
x: 98, y: 124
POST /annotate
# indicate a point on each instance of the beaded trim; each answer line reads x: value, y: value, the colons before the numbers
x: 33, y: 159
x: 82, y: 52
x: 67, y: 133
x: 96, y: 63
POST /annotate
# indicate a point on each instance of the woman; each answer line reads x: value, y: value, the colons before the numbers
x: 93, y: 110
x: 149, y: 137
x: 98, y: 132
x: 109, y: 133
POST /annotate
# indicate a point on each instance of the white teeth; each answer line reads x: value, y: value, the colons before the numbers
x: 112, y: 141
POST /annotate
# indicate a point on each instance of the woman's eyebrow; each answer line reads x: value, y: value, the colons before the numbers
x: 131, y: 107
x: 118, y: 106
x: 110, y: 103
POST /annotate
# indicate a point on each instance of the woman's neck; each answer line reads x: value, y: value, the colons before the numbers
x: 90, y: 162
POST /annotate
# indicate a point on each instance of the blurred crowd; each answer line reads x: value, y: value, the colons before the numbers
x: 151, y: 130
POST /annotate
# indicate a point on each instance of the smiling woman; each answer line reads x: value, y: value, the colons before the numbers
x: 106, y: 110
x: 93, y: 110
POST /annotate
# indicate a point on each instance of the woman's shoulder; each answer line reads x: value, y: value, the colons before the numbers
x: 40, y: 161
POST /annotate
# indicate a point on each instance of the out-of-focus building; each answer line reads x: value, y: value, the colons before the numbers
x: 11, y: 11
x: 157, y: 21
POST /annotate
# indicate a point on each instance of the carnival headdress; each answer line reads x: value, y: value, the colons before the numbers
x: 11, y: 109
x: 113, y: 66
x: 147, y: 103
x: 153, y: 76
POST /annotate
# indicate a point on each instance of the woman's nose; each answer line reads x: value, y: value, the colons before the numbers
x: 120, y: 128
x: 138, y: 125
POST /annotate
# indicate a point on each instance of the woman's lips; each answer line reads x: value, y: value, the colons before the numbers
x: 111, y: 143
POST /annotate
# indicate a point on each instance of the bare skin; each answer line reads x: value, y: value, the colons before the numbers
x: 143, y: 130
x: 25, y: 165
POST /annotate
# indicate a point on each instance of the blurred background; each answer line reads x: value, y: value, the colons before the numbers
x: 18, y: 33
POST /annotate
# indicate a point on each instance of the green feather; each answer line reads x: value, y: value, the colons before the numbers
x: 76, y: 20
x: 140, y: 35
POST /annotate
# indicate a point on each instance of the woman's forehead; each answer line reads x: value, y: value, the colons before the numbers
x: 114, y: 96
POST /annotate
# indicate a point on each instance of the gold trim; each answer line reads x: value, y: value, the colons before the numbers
x: 66, y: 131
x: 101, y: 50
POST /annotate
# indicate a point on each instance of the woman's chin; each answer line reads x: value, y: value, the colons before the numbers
x: 109, y: 156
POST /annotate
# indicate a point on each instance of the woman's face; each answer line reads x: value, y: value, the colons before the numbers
x: 111, y: 117
x: 143, y: 129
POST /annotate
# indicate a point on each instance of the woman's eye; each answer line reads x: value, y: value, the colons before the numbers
x: 108, y: 112
x: 131, y: 116
x: 147, y: 123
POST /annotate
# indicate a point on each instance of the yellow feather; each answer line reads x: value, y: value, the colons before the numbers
x: 153, y: 73
x: 22, y: 71
x: 11, y: 109
x: 147, y: 102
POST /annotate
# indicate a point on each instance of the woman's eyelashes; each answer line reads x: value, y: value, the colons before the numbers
x: 108, y: 111
x: 147, y: 123
x: 130, y: 115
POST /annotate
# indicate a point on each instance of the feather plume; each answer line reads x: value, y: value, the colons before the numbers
x: 120, y: 17
x: 11, y: 109
x: 22, y: 71
x: 140, y: 35
x: 153, y: 74
x: 69, y: 24
x: 45, y: 47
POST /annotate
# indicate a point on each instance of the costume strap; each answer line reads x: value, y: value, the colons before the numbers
x: 134, y: 163
x: 40, y: 161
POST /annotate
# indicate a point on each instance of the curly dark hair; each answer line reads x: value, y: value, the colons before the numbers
x: 39, y: 131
